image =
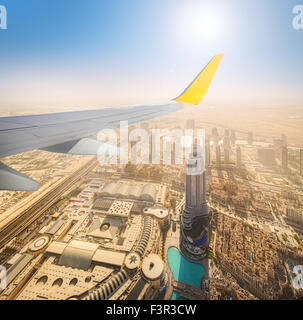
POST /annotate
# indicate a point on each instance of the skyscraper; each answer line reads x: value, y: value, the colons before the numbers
x: 226, y: 155
x: 226, y: 145
x: 284, y: 158
x: 284, y: 140
x: 194, y: 241
x: 215, y: 135
x: 250, y: 139
x: 233, y: 137
x: 133, y: 152
x: 238, y: 157
x: 207, y: 154
x: 215, y: 132
x: 190, y: 124
x: 218, y: 156
x: 226, y: 142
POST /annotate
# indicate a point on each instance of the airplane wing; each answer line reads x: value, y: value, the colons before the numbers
x: 70, y: 132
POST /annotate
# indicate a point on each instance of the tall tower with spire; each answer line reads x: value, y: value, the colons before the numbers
x: 194, y: 239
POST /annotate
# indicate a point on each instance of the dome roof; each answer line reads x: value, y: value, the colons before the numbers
x: 152, y: 267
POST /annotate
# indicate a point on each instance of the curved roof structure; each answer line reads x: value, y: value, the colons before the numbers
x: 148, y: 193
x: 78, y: 254
x: 134, y: 192
x: 107, y: 290
x: 147, y: 227
x: 122, y: 191
x: 109, y: 189
x: 128, y: 190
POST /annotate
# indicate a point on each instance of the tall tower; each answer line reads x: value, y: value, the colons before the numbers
x: 218, y: 156
x: 226, y: 145
x: 284, y: 140
x: 284, y: 158
x: 190, y: 124
x: 226, y: 156
x: 207, y: 154
x: 133, y: 152
x: 239, y: 156
x: 250, y: 138
x: 194, y: 241
x: 215, y: 135
x: 301, y: 162
x: 233, y: 137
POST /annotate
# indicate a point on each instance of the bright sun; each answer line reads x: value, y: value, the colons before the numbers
x: 200, y: 24
x: 208, y: 27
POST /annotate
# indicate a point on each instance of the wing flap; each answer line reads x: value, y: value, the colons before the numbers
x: 85, y: 146
x: 13, y: 180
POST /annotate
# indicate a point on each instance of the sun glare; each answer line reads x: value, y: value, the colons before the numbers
x: 208, y: 27
x: 200, y: 24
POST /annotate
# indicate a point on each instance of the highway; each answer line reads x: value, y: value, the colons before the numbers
x: 26, y: 218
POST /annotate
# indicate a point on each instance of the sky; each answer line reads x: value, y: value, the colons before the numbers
x: 78, y: 54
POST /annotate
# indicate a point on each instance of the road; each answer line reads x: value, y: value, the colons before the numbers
x: 24, y: 220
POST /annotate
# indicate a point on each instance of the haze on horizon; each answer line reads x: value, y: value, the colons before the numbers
x: 70, y: 55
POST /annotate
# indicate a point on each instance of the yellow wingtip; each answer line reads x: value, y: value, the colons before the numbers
x: 197, y: 89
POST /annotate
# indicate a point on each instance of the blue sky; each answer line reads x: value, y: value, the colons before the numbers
x: 94, y: 53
